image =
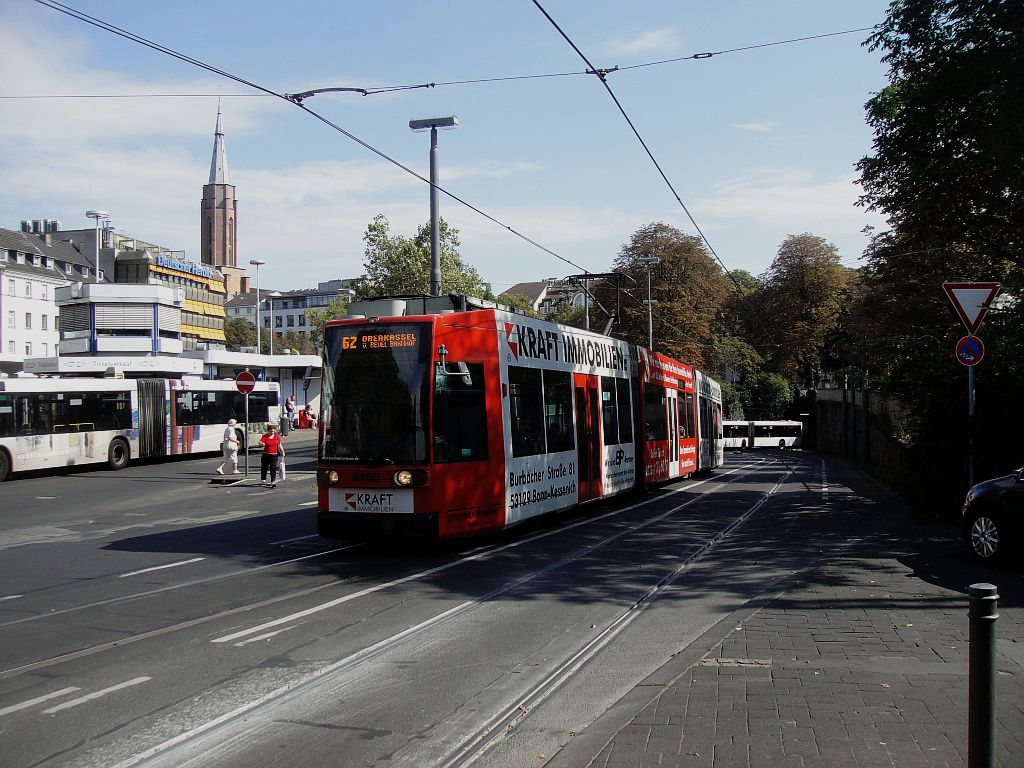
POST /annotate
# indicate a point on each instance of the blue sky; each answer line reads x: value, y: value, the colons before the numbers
x: 759, y: 144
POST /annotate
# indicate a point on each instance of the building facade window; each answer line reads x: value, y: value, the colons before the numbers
x: 45, y: 321
x: 291, y: 321
x: 11, y: 287
x: 28, y: 289
x: 46, y: 349
x: 28, y: 348
x: 10, y: 347
x: 46, y: 291
x: 11, y: 322
x: 28, y: 321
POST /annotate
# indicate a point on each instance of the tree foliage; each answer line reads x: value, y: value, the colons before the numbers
x: 517, y: 301
x: 318, y: 317
x: 687, y: 285
x: 803, y: 293
x: 947, y: 163
x: 238, y: 333
x: 948, y: 173
x: 397, y: 265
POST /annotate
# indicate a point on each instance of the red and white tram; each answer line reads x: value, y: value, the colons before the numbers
x: 443, y: 420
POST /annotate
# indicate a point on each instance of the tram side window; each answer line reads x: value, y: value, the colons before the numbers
x: 526, y: 411
x: 655, y: 414
x: 624, y: 402
x: 609, y: 413
x: 460, y: 416
x: 686, y: 426
x: 558, y: 408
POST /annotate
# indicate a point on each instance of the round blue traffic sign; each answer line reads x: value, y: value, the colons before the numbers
x: 970, y: 350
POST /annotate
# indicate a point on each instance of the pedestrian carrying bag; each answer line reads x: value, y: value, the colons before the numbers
x: 280, y: 467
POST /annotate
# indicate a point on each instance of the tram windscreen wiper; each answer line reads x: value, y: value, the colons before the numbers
x: 378, y: 461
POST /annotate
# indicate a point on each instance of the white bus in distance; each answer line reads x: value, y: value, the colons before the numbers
x: 62, y: 422
x: 740, y: 435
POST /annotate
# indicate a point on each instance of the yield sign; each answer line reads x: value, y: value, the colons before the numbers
x: 971, y: 301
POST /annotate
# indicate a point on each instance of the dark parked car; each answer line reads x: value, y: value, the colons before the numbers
x: 993, y: 516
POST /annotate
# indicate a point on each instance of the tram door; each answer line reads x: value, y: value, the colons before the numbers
x: 588, y: 438
x: 673, y: 432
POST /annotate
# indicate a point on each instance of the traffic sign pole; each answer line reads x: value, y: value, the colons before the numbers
x: 247, y: 434
x: 245, y: 382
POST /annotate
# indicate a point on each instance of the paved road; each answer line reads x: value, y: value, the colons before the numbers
x: 150, y: 618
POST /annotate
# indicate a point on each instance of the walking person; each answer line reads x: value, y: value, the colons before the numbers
x: 290, y: 411
x: 272, y: 452
x: 230, y: 448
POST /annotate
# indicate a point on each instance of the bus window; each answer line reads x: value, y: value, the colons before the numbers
x: 526, y: 411
x: 655, y: 414
x: 460, y: 416
x: 558, y: 411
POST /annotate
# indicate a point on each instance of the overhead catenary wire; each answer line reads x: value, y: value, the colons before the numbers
x: 99, y: 23
x: 602, y: 76
x: 373, y: 91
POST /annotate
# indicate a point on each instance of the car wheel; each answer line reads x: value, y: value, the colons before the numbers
x: 117, y: 454
x: 984, y: 537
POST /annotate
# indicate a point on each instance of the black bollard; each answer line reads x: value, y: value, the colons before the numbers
x: 981, y: 687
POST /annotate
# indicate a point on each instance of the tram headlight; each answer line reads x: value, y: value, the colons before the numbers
x: 403, y: 477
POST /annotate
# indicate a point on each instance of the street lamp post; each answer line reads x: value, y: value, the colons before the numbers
x: 648, y: 262
x: 258, y: 263
x: 96, y: 216
x: 433, y: 123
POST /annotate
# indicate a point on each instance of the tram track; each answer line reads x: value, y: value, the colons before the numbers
x: 168, y: 752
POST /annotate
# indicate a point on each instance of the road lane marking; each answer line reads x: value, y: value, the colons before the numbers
x: 45, y: 498
x: 308, y: 503
x: 10, y: 597
x: 37, y: 700
x: 297, y: 538
x: 161, y: 567
x: 266, y: 636
x: 96, y: 695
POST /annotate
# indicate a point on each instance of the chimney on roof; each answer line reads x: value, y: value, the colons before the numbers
x: 37, y: 226
x: 26, y: 226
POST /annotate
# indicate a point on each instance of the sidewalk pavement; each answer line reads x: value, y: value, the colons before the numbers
x: 860, y: 661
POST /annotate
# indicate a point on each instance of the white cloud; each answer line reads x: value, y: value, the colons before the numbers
x: 765, y: 127
x: 654, y: 41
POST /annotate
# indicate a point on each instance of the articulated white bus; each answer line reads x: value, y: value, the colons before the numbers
x: 741, y: 435
x: 47, y: 423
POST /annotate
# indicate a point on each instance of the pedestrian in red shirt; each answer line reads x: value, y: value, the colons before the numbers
x: 272, y: 452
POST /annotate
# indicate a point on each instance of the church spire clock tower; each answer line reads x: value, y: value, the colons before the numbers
x: 219, y: 209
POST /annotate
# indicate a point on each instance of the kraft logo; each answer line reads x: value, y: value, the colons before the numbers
x: 364, y: 502
x: 512, y: 345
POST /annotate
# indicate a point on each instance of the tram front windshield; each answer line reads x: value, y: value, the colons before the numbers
x: 376, y: 391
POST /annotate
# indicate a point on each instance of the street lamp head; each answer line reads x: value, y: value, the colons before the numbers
x: 97, y: 215
x: 257, y: 262
x: 426, y: 123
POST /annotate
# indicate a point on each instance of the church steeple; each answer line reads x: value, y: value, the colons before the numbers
x: 219, y: 164
x: 219, y: 208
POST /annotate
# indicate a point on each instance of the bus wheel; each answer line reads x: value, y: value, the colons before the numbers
x: 743, y: 445
x: 117, y: 454
x: 782, y: 443
x: 242, y: 447
x: 5, y: 466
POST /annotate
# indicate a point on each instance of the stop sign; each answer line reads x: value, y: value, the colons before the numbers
x: 245, y: 382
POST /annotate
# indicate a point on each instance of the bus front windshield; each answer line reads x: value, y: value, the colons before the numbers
x: 376, y: 391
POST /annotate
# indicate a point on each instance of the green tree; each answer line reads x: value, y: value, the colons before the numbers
x: 766, y: 396
x: 397, y: 265
x: 296, y: 341
x: 803, y: 293
x: 517, y: 301
x: 947, y: 166
x: 317, y: 318
x: 238, y: 333
x: 688, y: 286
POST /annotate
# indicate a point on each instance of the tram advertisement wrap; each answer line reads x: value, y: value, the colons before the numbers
x: 619, y: 468
x: 372, y: 500
x: 533, y: 489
